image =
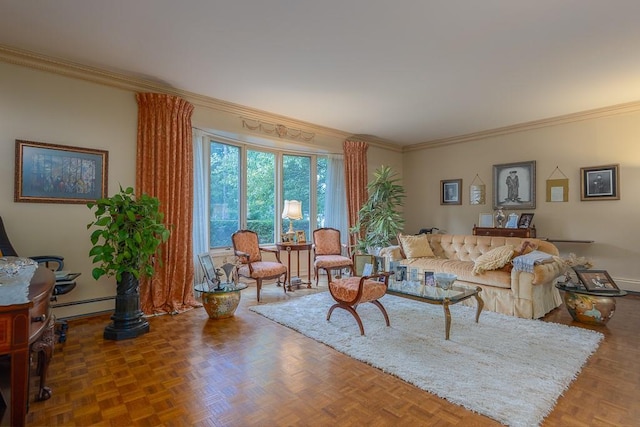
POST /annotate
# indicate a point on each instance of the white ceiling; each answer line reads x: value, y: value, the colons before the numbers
x: 408, y: 71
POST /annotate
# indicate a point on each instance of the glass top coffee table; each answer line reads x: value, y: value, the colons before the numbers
x: 436, y: 295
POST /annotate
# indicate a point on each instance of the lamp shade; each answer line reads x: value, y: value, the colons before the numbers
x: 292, y: 209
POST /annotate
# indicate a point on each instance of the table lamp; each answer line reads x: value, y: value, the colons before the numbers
x: 292, y: 211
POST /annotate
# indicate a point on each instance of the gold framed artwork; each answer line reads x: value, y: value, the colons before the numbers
x: 300, y: 236
x: 558, y: 190
x: 52, y: 173
x: 600, y: 183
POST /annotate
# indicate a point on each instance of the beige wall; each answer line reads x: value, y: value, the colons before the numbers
x: 44, y: 107
x: 613, y: 225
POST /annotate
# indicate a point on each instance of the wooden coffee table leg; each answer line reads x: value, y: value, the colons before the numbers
x: 480, y: 303
x: 447, y: 318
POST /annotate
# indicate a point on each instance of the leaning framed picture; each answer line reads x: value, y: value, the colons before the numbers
x: 300, y: 236
x: 52, y: 173
x: 359, y: 261
x: 514, y: 185
x: 451, y: 192
x: 525, y: 220
x: 596, y: 280
x: 600, y: 183
x: 485, y: 220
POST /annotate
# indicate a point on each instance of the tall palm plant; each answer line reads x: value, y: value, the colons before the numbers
x: 379, y: 220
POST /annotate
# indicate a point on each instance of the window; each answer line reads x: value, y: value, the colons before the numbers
x: 248, y: 187
x: 261, y: 187
x: 224, y: 184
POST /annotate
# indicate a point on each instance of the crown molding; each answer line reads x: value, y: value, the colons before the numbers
x: 613, y: 110
x: 135, y: 84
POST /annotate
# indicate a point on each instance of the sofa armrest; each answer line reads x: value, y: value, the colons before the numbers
x: 393, y: 252
x: 547, y: 272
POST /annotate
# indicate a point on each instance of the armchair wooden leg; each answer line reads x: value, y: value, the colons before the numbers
x: 353, y: 312
x: 258, y: 287
x: 384, y: 312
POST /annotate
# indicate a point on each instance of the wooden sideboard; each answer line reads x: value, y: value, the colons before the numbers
x: 24, y: 328
x: 505, y: 232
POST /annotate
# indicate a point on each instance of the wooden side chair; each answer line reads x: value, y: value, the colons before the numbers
x: 349, y: 292
x: 247, y: 248
x: 328, y: 252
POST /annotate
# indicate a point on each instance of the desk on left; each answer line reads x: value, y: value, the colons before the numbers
x: 23, y: 328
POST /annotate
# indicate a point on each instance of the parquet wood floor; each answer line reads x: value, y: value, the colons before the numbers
x: 250, y: 371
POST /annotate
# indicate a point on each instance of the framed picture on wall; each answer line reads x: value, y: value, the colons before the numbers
x: 514, y: 185
x: 451, y: 192
x: 52, y: 173
x: 600, y: 183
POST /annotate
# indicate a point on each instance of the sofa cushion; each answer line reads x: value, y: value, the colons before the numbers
x: 494, y: 259
x: 415, y: 246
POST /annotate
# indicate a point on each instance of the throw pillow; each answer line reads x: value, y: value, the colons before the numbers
x: 415, y: 246
x: 494, y: 259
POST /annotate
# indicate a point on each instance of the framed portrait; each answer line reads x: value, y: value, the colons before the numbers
x: 485, y: 220
x: 429, y: 278
x: 600, y: 183
x: 359, y: 262
x: 451, y: 192
x: 512, y: 221
x: 300, y: 237
x: 514, y: 185
x: 285, y: 238
x: 596, y: 280
x: 525, y: 220
x: 379, y: 266
x: 51, y: 173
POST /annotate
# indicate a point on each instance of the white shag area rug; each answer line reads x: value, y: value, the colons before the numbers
x: 509, y: 369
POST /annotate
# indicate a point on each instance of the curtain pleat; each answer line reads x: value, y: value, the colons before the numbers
x: 355, y: 170
x: 165, y: 170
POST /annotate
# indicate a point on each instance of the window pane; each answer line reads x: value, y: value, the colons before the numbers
x: 225, y: 193
x: 261, y: 194
x: 321, y: 189
x: 296, y: 178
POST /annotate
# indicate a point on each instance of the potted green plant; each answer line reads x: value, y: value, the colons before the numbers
x: 129, y: 232
x: 379, y: 220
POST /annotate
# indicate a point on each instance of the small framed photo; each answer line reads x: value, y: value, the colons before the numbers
x: 401, y: 273
x: 285, y: 238
x: 525, y: 220
x: 300, y: 237
x: 451, y: 192
x: 512, y: 221
x: 367, y: 270
x: 429, y: 278
x: 514, y: 185
x: 600, y: 183
x: 485, y: 220
x: 379, y: 266
x: 596, y: 280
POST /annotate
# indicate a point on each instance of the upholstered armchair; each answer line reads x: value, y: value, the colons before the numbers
x: 328, y: 252
x: 247, y: 248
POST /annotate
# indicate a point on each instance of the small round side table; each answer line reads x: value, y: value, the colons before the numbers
x: 592, y: 308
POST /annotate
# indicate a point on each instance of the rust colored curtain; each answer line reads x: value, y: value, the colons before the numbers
x: 355, y: 171
x: 165, y: 170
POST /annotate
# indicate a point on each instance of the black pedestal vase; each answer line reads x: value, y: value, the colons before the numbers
x: 128, y: 321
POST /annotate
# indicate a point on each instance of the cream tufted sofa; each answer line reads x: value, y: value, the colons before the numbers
x: 516, y: 293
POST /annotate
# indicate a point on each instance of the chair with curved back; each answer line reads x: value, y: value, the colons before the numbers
x: 349, y: 292
x: 247, y: 248
x: 328, y: 252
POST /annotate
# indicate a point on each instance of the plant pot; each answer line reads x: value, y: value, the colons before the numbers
x: 127, y: 320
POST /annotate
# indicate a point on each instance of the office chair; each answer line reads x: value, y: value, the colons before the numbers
x: 53, y: 262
